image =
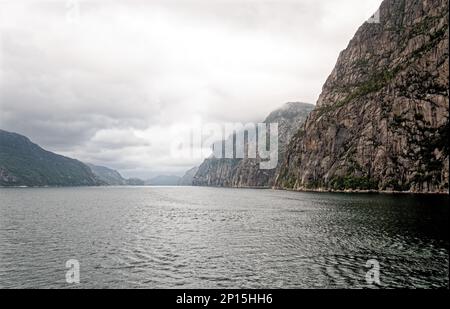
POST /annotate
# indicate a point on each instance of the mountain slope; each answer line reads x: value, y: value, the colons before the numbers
x: 246, y: 172
x: 106, y: 175
x: 381, y: 121
x: 23, y: 163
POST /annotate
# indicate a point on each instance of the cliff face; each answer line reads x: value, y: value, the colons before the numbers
x: 381, y: 121
x: 246, y: 172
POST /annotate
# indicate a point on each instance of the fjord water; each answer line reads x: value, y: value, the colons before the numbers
x: 168, y: 237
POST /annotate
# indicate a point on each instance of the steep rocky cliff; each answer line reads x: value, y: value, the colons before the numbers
x: 381, y: 121
x: 247, y: 172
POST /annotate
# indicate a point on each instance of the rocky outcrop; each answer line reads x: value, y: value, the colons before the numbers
x: 381, y: 122
x: 5, y: 177
x: 246, y: 172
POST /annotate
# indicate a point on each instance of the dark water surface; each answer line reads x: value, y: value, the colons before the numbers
x: 220, y: 238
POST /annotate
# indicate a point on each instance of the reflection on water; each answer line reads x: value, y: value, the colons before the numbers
x: 220, y: 238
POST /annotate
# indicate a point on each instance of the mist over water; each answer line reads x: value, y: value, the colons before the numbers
x: 187, y: 237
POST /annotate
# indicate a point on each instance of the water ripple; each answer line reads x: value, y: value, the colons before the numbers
x: 216, y: 238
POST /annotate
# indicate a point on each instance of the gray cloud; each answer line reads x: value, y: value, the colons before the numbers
x: 105, y: 83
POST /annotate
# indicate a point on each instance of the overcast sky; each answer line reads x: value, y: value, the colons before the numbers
x: 105, y: 81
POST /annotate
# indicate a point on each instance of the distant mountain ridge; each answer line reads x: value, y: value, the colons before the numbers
x: 163, y: 180
x: 107, y: 176
x: 110, y: 177
x: 23, y: 163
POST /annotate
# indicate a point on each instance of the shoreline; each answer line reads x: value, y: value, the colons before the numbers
x: 248, y: 188
x: 360, y: 191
